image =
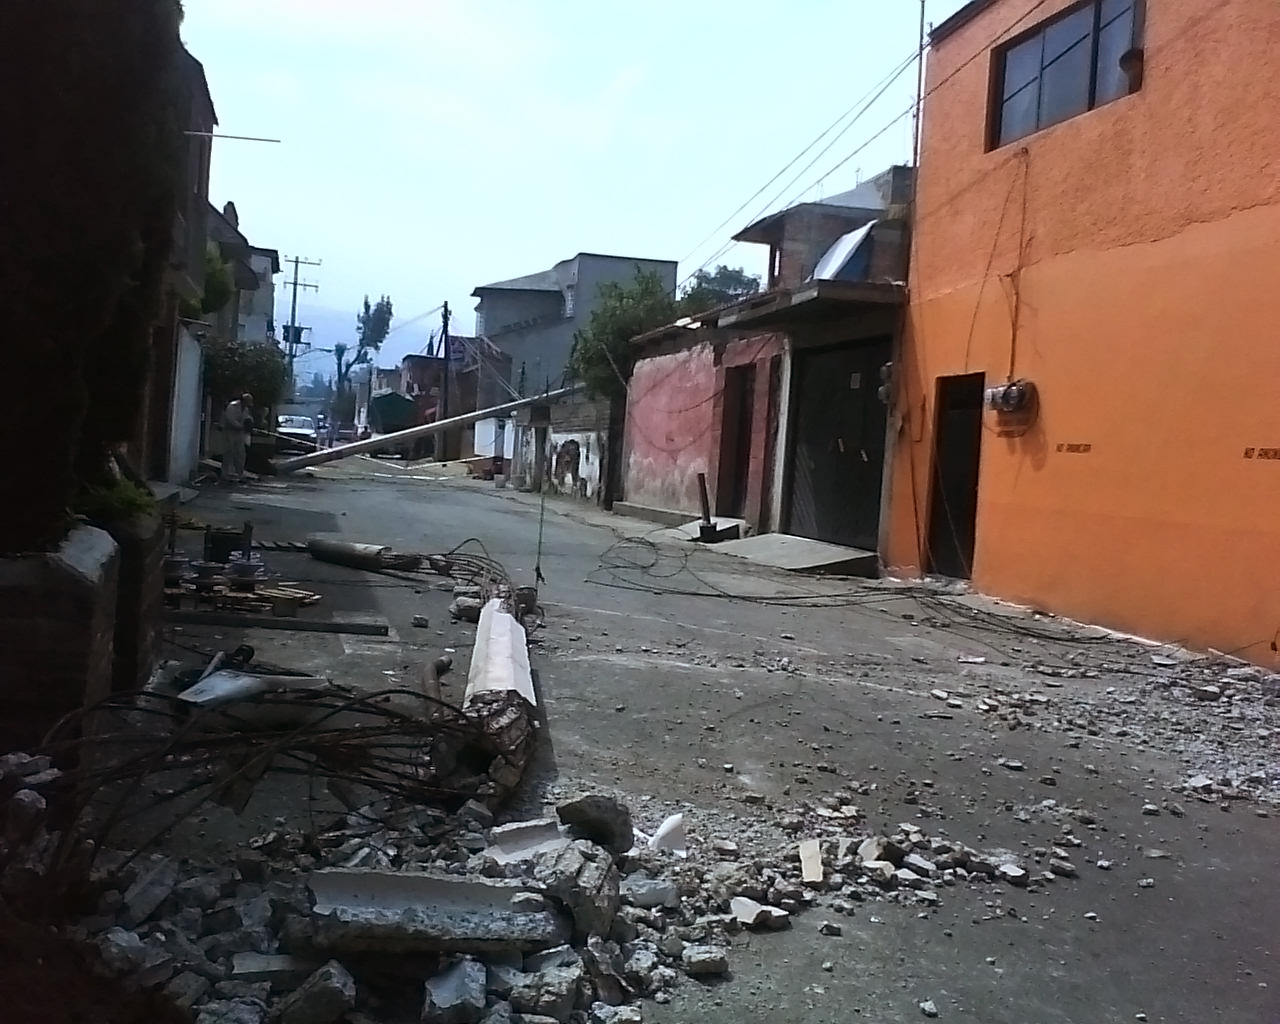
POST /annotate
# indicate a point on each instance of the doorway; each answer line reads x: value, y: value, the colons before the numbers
x: 836, y: 469
x: 735, y: 441
x: 953, y: 509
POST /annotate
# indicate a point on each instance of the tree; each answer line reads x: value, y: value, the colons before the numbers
x: 722, y: 287
x: 373, y: 324
x: 601, y: 356
x: 232, y: 367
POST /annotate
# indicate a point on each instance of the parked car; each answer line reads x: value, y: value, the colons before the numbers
x: 296, y: 434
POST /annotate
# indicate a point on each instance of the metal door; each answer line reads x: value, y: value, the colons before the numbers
x: 837, y: 456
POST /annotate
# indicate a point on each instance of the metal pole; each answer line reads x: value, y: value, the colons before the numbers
x: 374, y: 444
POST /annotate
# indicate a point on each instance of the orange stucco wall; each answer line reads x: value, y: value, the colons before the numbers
x: 1128, y: 262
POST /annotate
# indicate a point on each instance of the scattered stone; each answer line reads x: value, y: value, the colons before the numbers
x: 602, y: 820
x: 456, y: 996
x: 929, y: 1008
x: 602, y: 1013
x: 322, y: 998
x: 880, y: 871
x: 727, y: 880
x: 201, y: 892
x: 269, y: 967
x: 582, y: 876
x: 421, y: 622
x: 1151, y: 810
x: 1063, y: 868
x: 1012, y: 765
x: 1146, y: 883
x: 1014, y: 875
x: 830, y: 928
x: 752, y: 914
x: 1091, y: 916
x: 705, y: 961
x: 920, y: 865
x: 648, y: 893
x: 1155, y: 854
x: 725, y: 848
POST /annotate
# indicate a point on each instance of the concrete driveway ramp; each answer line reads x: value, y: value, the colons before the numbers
x: 406, y: 911
x: 800, y: 554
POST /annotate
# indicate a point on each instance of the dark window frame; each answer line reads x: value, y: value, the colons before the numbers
x: 999, y: 55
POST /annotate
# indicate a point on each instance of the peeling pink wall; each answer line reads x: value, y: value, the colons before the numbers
x: 673, y: 405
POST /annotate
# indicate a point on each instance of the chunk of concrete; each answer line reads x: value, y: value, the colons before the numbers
x: 552, y: 992
x: 322, y: 999
x: 187, y: 989
x: 602, y: 819
x: 525, y: 840
x: 879, y: 871
x: 500, y: 658
x: 457, y: 995
x: 395, y: 911
x: 671, y: 836
x: 811, y: 862
x: 154, y: 884
x: 582, y: 876
x: 705, y: 961
x: 232, y: 1011
x: 603, y: 1013
x: 650, y: 893
x: 758, y: 915
x: 277, y: 968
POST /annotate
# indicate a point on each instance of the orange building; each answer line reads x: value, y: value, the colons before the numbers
x: 1098, y: 216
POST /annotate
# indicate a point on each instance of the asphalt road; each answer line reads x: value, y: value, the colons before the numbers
x: 660, y: 665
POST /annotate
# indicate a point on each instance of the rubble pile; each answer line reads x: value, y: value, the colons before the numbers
x: 1217, y: 722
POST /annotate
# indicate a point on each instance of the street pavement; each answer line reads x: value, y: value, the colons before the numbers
x: 680, y: 679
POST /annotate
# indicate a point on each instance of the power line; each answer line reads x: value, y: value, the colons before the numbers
x: 794, y: 160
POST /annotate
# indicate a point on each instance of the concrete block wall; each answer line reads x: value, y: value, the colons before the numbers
x: 57, y: 633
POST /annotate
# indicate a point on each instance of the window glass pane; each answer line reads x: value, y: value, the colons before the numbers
x: 1018, y: 114
x: 1113, y: 41
x: 1111, y: 9
x: 1022, y: 65
x: 1064, y: 85
x: 1062, y: 35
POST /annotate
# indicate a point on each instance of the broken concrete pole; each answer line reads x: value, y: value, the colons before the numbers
x: 811, y: 862
x: 552, y: 992
x: 583, y: 878
x: 650, y: 893
x: 500, y: 660
x: 704, y: 961
x: 154, y: 884
x: 601, y: 819
x: 456, y: 996
x: 322, y: 998
x: 671, y: 836
x: 400, y: 910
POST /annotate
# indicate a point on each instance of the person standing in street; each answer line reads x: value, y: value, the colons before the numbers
x: 237, y: 431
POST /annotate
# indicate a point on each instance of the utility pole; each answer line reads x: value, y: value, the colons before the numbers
x: 292, y: 332
x: 915, y: 133
x: 444, y: 342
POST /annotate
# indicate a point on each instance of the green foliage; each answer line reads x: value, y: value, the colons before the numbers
x: 114, y: 502
x: 373, y: 324
x: 601, y: 357
x: 723, y: 286
x: 234, y: 367
x: 219, y: 286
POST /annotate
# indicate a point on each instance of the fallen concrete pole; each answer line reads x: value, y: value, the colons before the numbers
x: 374, y: 444
x: 500, y: 660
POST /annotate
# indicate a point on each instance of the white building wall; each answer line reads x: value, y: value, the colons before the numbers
x: 188, y: 397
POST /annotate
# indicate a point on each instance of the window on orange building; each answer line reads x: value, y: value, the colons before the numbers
x: 1064, y: 67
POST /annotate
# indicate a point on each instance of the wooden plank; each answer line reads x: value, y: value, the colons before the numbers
x: 191, y: 617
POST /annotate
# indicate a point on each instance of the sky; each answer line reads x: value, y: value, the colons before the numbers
x: 431, y: 146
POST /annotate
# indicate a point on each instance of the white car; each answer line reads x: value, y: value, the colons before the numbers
x: 296, y: 434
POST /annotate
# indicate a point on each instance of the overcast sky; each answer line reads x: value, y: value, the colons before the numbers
x: 430, y: 146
